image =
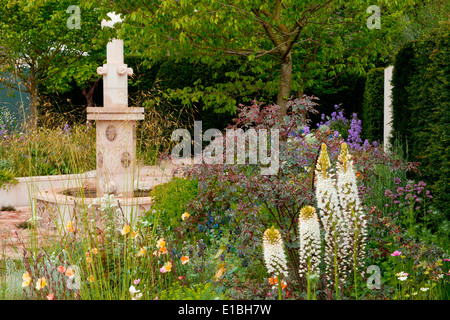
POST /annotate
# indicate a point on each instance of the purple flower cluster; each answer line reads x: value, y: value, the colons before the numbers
x: 351, y: 126
x: 66, y: 129
x: 354, y: 138
x: 407, y: 195
x: 335, y: 117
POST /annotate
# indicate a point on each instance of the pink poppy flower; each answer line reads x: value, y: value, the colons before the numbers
x: 162, y: 270
x: 446, y: 259
x: 62, y: 269
x: 396, y: 253
x: 51, y: 296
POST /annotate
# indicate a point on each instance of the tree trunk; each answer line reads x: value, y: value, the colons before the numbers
x: 90, y: 92
x: 32, y: 89
x: 284, y: 91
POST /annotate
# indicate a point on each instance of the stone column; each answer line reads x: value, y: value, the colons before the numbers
x: 115, y: 126
x: 387, y: 132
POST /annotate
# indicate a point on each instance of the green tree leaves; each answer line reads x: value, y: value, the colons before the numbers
x: 293, y: 46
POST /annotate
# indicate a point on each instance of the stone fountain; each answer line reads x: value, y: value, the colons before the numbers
x: 116, y: 171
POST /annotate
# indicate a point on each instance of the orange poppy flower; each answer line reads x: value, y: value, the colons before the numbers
x: 273, y: 280
x: 184, y: 259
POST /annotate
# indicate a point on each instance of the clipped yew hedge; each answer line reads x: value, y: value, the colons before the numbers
x: 421, y: 109
x: 373, y: 106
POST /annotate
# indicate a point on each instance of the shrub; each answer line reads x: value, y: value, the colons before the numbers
x: 7, y: 177
x: 204, y: 291
x: 171, y: 199
x: 246, y: 203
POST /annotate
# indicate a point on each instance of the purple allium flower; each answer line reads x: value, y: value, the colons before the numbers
x: 366, y: 144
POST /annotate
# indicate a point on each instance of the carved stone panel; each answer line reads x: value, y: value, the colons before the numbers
x: 111, y: 133
x: 125, y: 160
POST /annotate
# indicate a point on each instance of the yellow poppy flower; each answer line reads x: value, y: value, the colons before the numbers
x: 125, y: 230
x: 41, y: 283
x: 161, y: 243
x: 273, y: 280
x: 134, y: 234
x: 70, y: 273
x: 185, y: 215
x: 70, y: 227
x: 26, y: 280
x: 168, y: 266
x: 142, y: 252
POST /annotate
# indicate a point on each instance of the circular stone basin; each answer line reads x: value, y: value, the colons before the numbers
x: 58, y: 205
x: 92, y: 193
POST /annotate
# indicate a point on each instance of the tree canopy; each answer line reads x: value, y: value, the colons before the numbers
x: 40, y: 41
x: 288, y: 46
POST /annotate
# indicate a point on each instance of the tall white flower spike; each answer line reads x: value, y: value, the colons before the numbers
x: 330, y: 214
x: 310, y: 242
x: 352, y: 210
x: 273, y: 250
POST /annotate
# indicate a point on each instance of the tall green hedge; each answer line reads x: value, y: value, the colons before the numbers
x: 422, y: 109
x: 401, y: 78
x: 373, y: 106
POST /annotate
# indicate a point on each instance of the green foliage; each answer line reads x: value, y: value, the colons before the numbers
x: 423, y: 124
x: 346, y: 91
x: 38, y: 46
x: 430, y: 106
x: 175, y: 76
x: 46, y: 151
x: 382, y: 180
x: 10, y: 280
x: 286, y: 48
x: 204, y: 291
x: 420, y: 20
x: 373, y: 106
x: 171, y: 198
x: 6, y: 177
x: 401, y: 77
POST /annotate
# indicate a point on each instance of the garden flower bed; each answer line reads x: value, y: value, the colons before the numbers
x: 357, y: 228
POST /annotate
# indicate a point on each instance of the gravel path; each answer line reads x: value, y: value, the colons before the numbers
x: 13, y: 238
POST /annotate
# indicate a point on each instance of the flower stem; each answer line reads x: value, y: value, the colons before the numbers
x: 308, y: 287
x: 280, y: 295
